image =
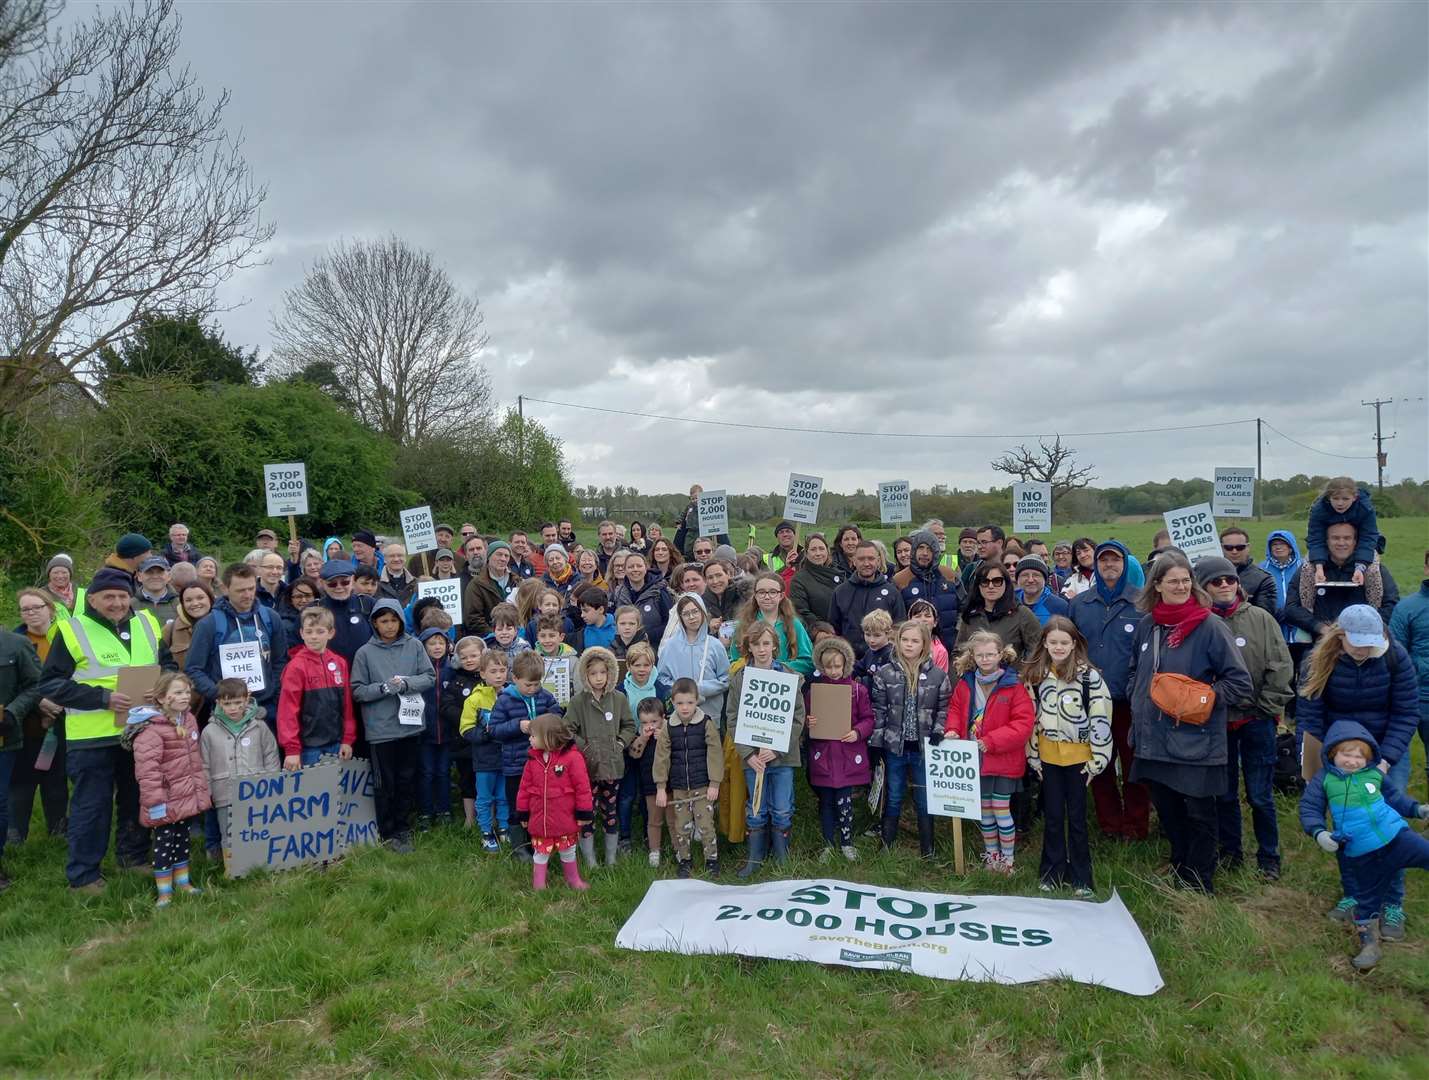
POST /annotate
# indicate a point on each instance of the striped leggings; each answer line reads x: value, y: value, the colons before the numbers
x: 999, y: 833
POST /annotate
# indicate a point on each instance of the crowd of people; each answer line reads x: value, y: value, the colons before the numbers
x: 1153, y: 682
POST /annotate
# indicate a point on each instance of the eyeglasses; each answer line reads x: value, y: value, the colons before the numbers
x: 994, y: 582
x: 1225, y: 579
x: 33, y: 610
x: 768, y: 592
x: 1234, y: 547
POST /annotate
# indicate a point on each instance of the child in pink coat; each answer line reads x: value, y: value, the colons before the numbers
x: 836, y: 767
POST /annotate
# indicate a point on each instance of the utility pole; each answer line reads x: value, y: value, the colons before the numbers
x: 521, y: 429
x: 1379, y: 437
x: 1259, y: 514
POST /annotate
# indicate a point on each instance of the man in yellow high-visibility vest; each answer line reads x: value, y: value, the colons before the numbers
x: 82, y: 674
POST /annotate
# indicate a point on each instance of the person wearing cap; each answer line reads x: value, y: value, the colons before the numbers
x: 927, y: 579
x: 395, y: 581
x: 364, y: 550
x: 155, y: 593
x: 178, y: 549
x: 81, y: 674
x: 1259, y: 586
x: 489, y: 586
x: 238, y: 618
x: 1315, y: 607
x: 444, y: 564
x: 267, y: 540
x: 1250, y: 724
x: 1034, y: 592
x: 130, y: 550
x: 784, y: 559
x: 1357, y: 673
x: 964, y: 554
x: 1107, y: 615
x: 445, y: 535
x: 351, y: 611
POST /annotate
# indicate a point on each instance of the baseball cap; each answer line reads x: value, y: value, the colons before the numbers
x: 1362, y: 625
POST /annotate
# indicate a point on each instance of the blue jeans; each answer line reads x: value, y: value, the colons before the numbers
x: 434, y: 793
x: 628, y: 798
x: 310, y: 755
x: 1250, y: 750
x: 1375, y: 873
x: 103, y: 781
x: 905, y: 770
x: 7, y: 770
x: 491, y: 808
x: 777, y: 806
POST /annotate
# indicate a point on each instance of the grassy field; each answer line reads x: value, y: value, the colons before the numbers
x: 443, y: 963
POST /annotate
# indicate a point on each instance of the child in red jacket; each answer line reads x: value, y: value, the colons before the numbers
x: 990, y: 704
x: 554, y: 799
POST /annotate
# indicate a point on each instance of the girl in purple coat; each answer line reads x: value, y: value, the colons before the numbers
x: 837, y: 766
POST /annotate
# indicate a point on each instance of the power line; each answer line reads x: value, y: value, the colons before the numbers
x: 1317, y: 450
x: 882, y: 434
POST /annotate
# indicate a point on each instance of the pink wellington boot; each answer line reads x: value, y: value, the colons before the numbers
x: 538, y: 875
x: 573, y: 875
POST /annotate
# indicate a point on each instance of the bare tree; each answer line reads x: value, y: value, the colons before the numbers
x: 22, y: 26
x: 122, y: 196
x: 1055, y: 465
x: 401, y: 336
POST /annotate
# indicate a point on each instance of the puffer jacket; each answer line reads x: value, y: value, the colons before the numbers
x: 603, y: 727
x: 507, y: 712
x: 652, y: 600
x: 811, y: 590
x: 1367, y: 810
x: 837, y: 764
x: 1410, y: 627
x: 890, y: 690
x: 688, y: 753
x: 855, y: 598
x: 376, y: 664
x: 791, y: 757
x: 1003, y: 728
x: 228, y: 755
x: 486, y: 749
x: 554, y: 798
x: 939, y: 586
x: 457, y: 686
x: 169, y: 768
x: 1109, y: 625
x: 1209, y: 655
x: 1382, y: 694
x: 1267, y: 660
x: 1075, y: 712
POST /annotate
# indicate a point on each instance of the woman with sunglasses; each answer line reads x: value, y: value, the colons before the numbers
x: 992, y: 605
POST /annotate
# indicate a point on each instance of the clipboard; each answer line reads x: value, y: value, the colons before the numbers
x: 832, y: 705
x: 134, y: 683
x: 1309, y: 756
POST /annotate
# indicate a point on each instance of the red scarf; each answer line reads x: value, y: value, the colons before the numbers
x: 1227, y: 610
x: 1182, y: 618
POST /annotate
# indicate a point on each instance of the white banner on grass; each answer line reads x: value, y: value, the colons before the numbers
x: 1003, y: 939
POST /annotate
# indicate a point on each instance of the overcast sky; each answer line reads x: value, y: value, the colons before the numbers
x: 932, y: 218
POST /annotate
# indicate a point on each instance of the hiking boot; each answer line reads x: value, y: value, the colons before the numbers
x: 888, y: 832
x: 94, y: 888
x: 1344, y: 911
x: 213, y: 854
x: 1391, y: 923
x: 401, y: 843
x: 712, y: 867
x: 758, y: 844
x: 624, y: 847
x: 490, y: 844
x: 1269, y: 869
x: 682, y: 869
x: 1083, y: 893
x: 1368, y: 935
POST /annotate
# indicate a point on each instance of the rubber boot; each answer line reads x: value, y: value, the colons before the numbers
x: 780, y: 843
x: 888, y: 832
x: 182, y: 884
x: 164, y: 884
x: 925, y: 835
x: 573, y: 875
x: 1370, y: 952
x: 758, y: 844
x: 612, y: 848
x: 520, y: 842
x: 587, y: 846
x: 538, y: 875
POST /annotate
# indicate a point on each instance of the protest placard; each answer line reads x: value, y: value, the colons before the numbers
x: 895, y: 502
x: 953, y: 774
x: 1193, y: 530
x: 286, y: 487
x: 713, y: 513
x: 1234, y: 493
x: 557, y: 679
x: 448, y: 591
x: 284, y: 820
x: 419, y: 529
x: 243, y: 660
x: 802, y: 502
x: 765, y: 717
x: 832, y: 705
x: 1031, y: 508
x: 1000, y: 939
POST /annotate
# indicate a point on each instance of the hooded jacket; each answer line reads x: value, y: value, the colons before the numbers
x: 855, y: 598
x: 1283, y: 577
x: 1107, y: 618
x: 168, y: 767
x: 315, y: 702
x: 1409, y: 625
x: 791, y: 757
x: 703, y: 660
x: 586, y: 636
x: 890, y: 690
x: 507, y: 711
x: 811, y: 590
x: 937, y: 584
x: 602, y: 726
x: 554, y: 798
x: 652, y: 600
x: 1267, y: 660
x: 1367, y: 810
x: 1004, y: 727
x: 1381, y: 694
x: 228, y: 754
x: 837, y: 764
x: 434, y: 731
x: 377, y: 663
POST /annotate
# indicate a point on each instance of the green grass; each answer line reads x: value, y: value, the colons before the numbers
x: 443, y: 963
